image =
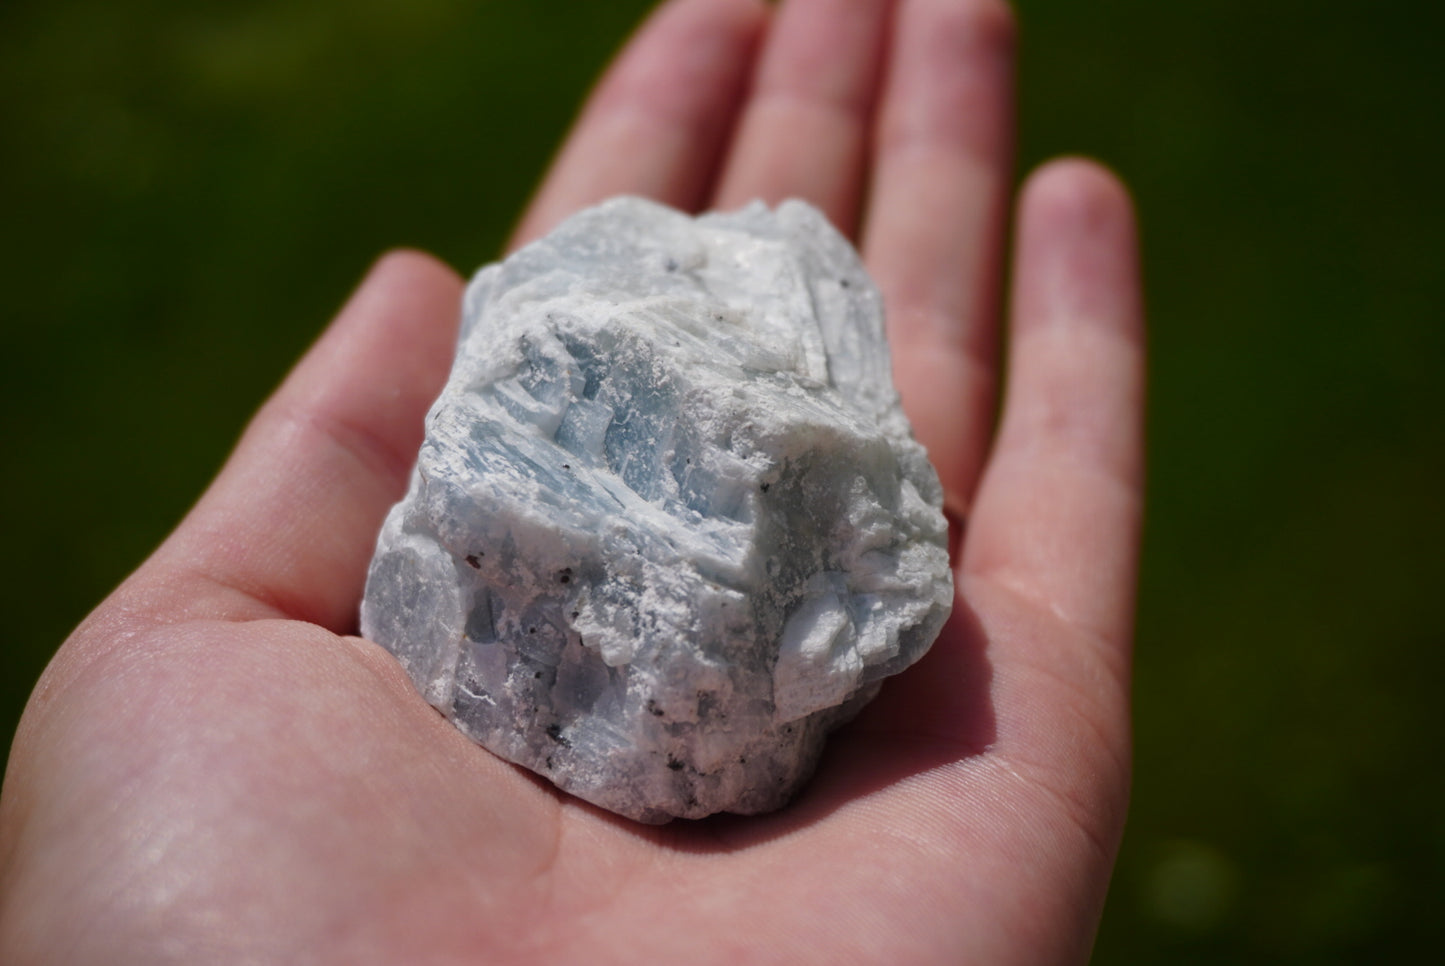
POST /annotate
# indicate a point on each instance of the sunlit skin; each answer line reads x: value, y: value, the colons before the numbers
x: 213, y: 769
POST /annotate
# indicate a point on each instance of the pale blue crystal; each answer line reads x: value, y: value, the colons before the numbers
x: 669, y: 525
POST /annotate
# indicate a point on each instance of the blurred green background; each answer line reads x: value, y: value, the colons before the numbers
x: 188, y: 190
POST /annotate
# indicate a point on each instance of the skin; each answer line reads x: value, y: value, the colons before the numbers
x: 213, y: 770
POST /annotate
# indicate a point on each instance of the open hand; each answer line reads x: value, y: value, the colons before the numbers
x: 212, y: 771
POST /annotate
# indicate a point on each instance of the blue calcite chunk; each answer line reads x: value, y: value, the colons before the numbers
x: 669, y: 525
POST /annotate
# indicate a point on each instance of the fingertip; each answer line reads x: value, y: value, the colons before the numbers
x: 1078, y: 195
x: 1077, y: 248
x: 398, y: 325
x: 411, y: 266
x: 404, y: 290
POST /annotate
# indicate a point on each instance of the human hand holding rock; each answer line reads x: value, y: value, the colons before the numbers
x: 212, y: 770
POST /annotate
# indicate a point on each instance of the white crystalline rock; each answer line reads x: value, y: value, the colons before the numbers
x: 669, y: 525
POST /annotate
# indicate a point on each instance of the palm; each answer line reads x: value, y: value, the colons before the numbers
x: 208, y: 769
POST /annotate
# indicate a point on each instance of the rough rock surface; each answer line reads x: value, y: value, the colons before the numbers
x: 669, y: 525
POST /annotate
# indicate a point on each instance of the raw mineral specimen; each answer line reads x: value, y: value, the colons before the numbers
x: 669, y: 525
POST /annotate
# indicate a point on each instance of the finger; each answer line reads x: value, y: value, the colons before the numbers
x: 656, y: 123
x: 935, y: 230
x: 291, y: 521
x: 804, y: 131
x: 1058, y: 514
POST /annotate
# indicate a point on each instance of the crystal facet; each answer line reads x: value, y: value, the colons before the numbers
x: 669, y: 525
